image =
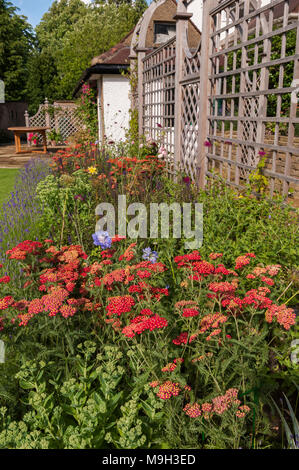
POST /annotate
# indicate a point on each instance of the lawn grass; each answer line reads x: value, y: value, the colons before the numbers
x: 7, y: 181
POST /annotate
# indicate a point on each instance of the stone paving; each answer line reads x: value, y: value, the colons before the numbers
x: 9, y: 159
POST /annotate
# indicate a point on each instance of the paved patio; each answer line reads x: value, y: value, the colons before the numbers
x: 9, y: 159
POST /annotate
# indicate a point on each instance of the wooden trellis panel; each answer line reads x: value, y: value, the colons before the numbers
x: 253, y: 57
x: 222, y: 107
x: 61, y: 117
x: 159, y: 98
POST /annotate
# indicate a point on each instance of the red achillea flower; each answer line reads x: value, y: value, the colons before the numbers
x: 212, y: 321
x: 207, y: 410
x: 117, y: 238
x: 193, y: 411
x: 170, y: 367
x: 242, y: 411
x: 67, y: 311
x: 168, y: 389
x: 156, y: 322
x: 35, y: 306
x: 267, y: 280
x: 146, y: 311
x: 178, y: 359
x: 241, y: 261
x: 181, y: 339
x: 284, y: 316
x: 214, y: 333
x: 184, y: 303
x: 129, y: 253
x: 257, y: 299
x: 222, y: 287
x: 120, y: 304
x: 190, y: 312
x: 215, y: 255
x: 6, y: 302
x: 143, y: 274
x: 154, y: 384
x: 250, y: 276
x: 186, y: 260
x: 4, y: 280
x: 22, y: 249
x: 203, y: 267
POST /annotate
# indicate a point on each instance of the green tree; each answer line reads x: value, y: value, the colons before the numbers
x: 42, y: 79
x: 102, y: 27
x: 61, y: 17
x: 16, y: 43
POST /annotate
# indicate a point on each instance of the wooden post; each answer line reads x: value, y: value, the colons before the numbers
x: 140, y: 56
x: 204, y: 90
x: 47, y: 115
x: 182, y: 17
x: 27, y: 124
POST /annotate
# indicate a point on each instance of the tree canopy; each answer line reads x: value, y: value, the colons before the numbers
x: 69, y: 35
x: 49, y: 61
x: 16, y: 45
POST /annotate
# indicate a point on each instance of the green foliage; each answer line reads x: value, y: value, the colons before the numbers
x: 69, y: 197
x: 71, y: 414
x: 87, y: 110
x: 73, y: 33
x: 291, y: 435
x: 16, y: 42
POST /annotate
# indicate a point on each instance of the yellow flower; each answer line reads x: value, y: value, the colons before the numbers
x: 92, y: 170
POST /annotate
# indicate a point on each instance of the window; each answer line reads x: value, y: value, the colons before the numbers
x: 163, y: 32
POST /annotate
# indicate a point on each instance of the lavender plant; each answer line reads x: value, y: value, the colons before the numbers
x: 20, y: 212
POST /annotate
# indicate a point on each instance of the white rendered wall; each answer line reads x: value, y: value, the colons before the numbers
x: 116, y: 90
x: 195, y: 7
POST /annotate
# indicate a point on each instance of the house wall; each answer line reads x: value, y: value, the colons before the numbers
x: 116, y: 106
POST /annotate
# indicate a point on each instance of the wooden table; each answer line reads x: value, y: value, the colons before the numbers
x: 18, y: 131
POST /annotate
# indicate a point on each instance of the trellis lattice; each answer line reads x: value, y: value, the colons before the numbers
x: 248, y: 100
x: 61, y: 117
x: 223, y: 106
x: 159, y: 98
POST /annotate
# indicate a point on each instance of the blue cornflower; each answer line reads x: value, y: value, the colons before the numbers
x: 150, y: 255
x: 102, y: 239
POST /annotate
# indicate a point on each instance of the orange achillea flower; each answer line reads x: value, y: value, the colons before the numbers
x: 168, y: 389
x: 6, y: 302
x: 284, y: 316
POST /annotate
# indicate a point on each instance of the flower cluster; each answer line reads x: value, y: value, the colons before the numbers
x: 219, y: 405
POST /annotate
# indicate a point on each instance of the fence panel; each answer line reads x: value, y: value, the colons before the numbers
x: 219, y: 109
x: 254, y: 57
x: 159, y: 98
x: 61, y: 117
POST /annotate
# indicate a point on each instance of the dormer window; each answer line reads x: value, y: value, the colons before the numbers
x: 163, y: 32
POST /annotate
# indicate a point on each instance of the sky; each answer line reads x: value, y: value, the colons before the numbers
x: 34, y: 9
